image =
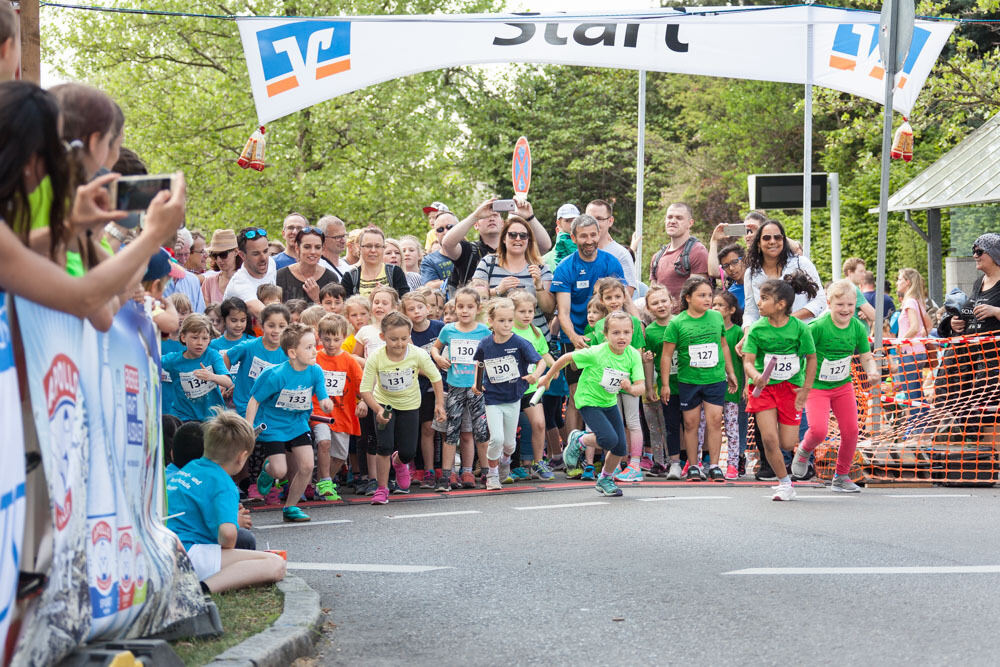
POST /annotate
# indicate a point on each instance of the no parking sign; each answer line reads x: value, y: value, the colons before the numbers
x: 520, y: 168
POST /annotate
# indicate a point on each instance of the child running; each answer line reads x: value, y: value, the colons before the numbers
x: 726, y: 304
x: 704, y: 369
x: 197, y: 372
x: 786, y: 340
x: 281, y: 400
x: 661, y: 307
x: 505, y: 358
x: 389, y: 386
x: 533, y: 416
x: 425, y: 332
x: 248, y: 359
x: 838, y: 336
x: 607, y: 369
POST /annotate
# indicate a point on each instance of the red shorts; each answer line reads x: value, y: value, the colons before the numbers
x: 780, y: 397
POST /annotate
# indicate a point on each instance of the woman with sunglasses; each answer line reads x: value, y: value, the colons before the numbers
x: 306, y: 277
x: 517, y: 265
x: 770, y: 255
x: 982, y: 310
x: 373, y: 271
x: 224, y: 261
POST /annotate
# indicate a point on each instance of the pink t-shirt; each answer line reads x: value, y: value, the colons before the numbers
x: 667, y: 276
x: 911, y: 307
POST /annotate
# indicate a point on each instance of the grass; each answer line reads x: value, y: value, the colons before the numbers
x: 244, y: 613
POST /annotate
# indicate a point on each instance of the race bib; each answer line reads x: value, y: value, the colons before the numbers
x: 786, y: 366
x: 705, y: 355
x: 165, y: 376
x: 673, y: 363
x: 335, y: 381
x: 582, y: 284
x: 503, y: 369
x: 234, y: 369
x: 294, y: 399
x: 257, y: 366
x: 193, y: 387
x: 835, y: 370
x: 460, y: 350
x: 612, y: 380
x: 400, y: 380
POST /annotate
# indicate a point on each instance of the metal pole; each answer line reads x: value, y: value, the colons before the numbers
x: 807, y: 146
x: 640, y: 170
x: 834, y: 194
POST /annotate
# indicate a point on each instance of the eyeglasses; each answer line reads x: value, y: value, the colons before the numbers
x: 977, y: 252
x: 254, y: 233
x: 734, y: 263
x: 602, y: 219
x: 199, y: 252
x: 224, y: 254
x: 771, y: 237
x: 369, y: 246
x: 337, y: 237
x: 524, y: 236
x: 442, y: 230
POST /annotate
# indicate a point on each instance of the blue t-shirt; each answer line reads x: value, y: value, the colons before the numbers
x: 425, y: 340
x: 246, y: 362
x: 578, y: 277
x: 435, y: 266
x: 736, y: 289
x: 283, y: 259
x: 462, y: 345
x: 194, y: 398
x: 222, y: 343
x: 170, y: 471
x: 285, y: 396
x: 168, y: 346
x: 204, y: 497
x: 505, y: 363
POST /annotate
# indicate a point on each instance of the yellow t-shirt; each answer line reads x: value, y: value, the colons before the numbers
x: 349, y: 344
x: 430, y: 240
x: 395, y: 382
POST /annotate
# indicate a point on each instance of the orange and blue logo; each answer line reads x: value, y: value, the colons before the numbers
x: 302, y: 52
x: 855, y: 48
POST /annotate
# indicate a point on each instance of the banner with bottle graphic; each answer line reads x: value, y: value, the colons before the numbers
x: 116, y: 570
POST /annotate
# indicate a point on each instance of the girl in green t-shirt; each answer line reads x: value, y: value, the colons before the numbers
x: 725, y: 304
x: 534, y: 436
x: 704, y: 373
x: 664, y: 420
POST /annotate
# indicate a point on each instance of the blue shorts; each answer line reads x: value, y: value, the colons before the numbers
x: 692, y: 395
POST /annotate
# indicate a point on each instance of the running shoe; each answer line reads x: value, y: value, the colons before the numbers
x: 630, y: 474
x: 556, y: 464
x: 843, y: 484
x: 784, y: 492
x: 360, y: 486
x: 310, y: 492
x: 274, y: 497
x: 520, y: 474
x: 732, y: 472
x: 542, y: 472
x: 571, y: 455
x: 493, y: 483
x: 327, y: 490
x: 574, y: 473
x: 588, y: 474
x: 264, y: 483
x: 716, y: 475
x: 253, y: 496
x: 504, y: 473
x: 764, y: 472
x: 428, y: 482
x: 468, y: 480
x: 402, y: 475
x: 658, y: 470
x: 372, y: 487
x: 293, y: 515
x: 645, y: 464
x: 800, y: 463
x: 675, y: 472
x: 443, y: 484
x: 694, y: 474
x: 607, y: 487
x: 381, y: 496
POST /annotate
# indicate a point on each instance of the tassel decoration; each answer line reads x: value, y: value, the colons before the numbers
x: 253, y: 153
x: 902, y: 142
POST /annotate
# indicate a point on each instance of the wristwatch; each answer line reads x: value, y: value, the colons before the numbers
x: 112, y: 230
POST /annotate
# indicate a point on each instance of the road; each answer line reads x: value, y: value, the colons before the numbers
x: 671, y: 573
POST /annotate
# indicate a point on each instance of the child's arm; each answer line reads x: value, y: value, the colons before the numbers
x: 252, y: 406
x: 373, y: 405
x: 227, y: 535
x: 439, y: 412
x: 561, y: 363
x: 225, y: 359
x: 730, y: 369
x: 636, y: 389
x: 749, y: 368
x: 803, y: 392
x: 650, y: 373
x: 666, y: 359
x: 439, y: 359
x: 871, y: 367
x: 532, y: 377
x: 205, y: 373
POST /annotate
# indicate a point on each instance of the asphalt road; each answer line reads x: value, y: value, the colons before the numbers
x: 672, y: 573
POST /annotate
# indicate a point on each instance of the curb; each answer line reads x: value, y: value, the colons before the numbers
x: 292, y: 635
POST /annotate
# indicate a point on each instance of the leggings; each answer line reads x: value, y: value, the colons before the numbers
x: 606, y: 423
x: 657, y: 432
x: 400, y: 435
x: 674, y: 423
x: 844, y: 405
x: 502, y: 420
x: 731, y: 424
x: 553, y: 406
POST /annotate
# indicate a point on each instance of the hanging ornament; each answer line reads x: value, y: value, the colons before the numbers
x: 253, y: 153
x: 902, y: 142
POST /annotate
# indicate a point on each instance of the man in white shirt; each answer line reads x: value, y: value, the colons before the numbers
x: 334, y: 244
x: 258, y: 268
x: 602, y: 211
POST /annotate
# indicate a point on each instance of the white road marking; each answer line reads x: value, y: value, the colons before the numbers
x: 926, y: 495
x: 271, y: 526
x: 421, y: 516
x: 661, y: 499
x: 830, y: 496
x: 941, y: 569
x: 552, y: 507
x: 366, y: 567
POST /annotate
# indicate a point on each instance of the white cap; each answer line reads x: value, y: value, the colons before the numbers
x: 567, y: 212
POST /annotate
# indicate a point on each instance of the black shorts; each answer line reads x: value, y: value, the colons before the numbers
x: 554, y: 406
x: 272, y: 447
x: 572, y: 374
x: 526, y: 401
x: 427, y: 407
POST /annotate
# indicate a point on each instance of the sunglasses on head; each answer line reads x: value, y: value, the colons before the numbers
x: 254, y: 233
x: 223, y: 254
x: 311, y: 230
x: 771, y: 237
x: 518, y: 235
x: 977, y: 252
x: 442, y: 230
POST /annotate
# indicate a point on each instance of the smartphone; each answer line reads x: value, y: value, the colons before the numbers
x: 738, y: 229
x: 134, y: 193
x: 501, y: 205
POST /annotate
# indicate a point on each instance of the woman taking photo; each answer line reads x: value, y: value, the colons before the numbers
x: 373, y: 270
x: 517, y: 265
x: 305, y: 278
x: 225, y: 261
x: 770, y: 256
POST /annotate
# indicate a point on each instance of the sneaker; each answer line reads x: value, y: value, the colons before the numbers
x: 253, y: 496
x: 310, y: 492
x: 675, y: 470
x: 607, y: 487
x: 402, y: 475
x: 784, y: 492
x: 443, y: 484
x: 630, y: 474
x: 694, y: 474
x: 574, y: 473
x: 327, y: 490
x: 396, y: 489
x: 372, y: 487
x: 541, y: 471
x: 493, y: 483
x: 810, y: 473
x: 381, y: 496
x: 556, y: 464
x: 571, y: 455
x: 843, y: 484
x: 468, y: 480
x: 764, y: 472
x: 800, y: 463
x: 732, y: 472
x: 504, y: 472
x: 588, y: 474
x: 428, y: 482
x: 742, y: 465
x: 294, y: 515
x: 273, y: 497
x: 716, y: 475
x: 520, y: 474
x: 658, y: 470
x: 645, y: 464
x: 360, y: 486
x: 264, y: 483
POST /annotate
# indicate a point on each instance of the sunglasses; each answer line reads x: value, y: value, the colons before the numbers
x: 977, y: 252
x: 524, y: 236
x: 442, y: 230
x: 254, y: 233
x: 310, y: 230
x: 771, y: 237
x: 220, y: 255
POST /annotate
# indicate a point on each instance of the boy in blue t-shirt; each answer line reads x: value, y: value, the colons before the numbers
x: 248, y: 359
x: 205, y: 503
x: 197, y: 373
x: 281, y: 400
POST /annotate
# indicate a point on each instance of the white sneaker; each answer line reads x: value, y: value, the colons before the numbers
x: 784, y: 492
x: 800, y: 463
x: 843, y: 484
x: 675, y: 470
x: 493, y: 483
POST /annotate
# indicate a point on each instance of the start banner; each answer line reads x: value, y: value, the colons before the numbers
x: 295, y: 63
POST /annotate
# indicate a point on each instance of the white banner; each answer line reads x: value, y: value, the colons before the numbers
x: 297, y: 62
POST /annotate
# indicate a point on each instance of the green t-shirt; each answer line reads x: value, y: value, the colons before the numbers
x: 603, y: 371
x: 537, y: 340
x: 597, y: 335
x: 860, y: 301
x: 74, y: 264
x: 734, y: 335
x: 699, y: 347
x: 655, y: 335
x: 790, y: 344
x: 834, y: 349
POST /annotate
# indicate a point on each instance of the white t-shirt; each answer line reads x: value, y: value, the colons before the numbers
x: 244, y: 286
x: 624, y: 257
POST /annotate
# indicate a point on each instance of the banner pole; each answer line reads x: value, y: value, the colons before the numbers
x: 640, y: 171
x: 807, y: 145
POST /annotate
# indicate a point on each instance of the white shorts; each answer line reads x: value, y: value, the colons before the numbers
x: 206, y: 558
x: 629, y: 405
x: 339, y: 442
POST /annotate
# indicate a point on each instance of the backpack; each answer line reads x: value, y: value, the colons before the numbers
x: 683, y: 264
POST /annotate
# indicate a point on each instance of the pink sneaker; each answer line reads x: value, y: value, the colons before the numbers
x: 253, y: 496
x: 381, y: 496
x: 402, y: 473
x: 273, y: 497
x: 646, y: 464
x: 732, y: 472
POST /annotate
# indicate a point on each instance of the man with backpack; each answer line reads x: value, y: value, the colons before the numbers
x: 683, y: 257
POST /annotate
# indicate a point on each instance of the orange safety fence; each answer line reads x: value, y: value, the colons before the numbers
x: 933, y: 417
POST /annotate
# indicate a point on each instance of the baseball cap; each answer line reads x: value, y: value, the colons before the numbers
x: 160, y: 265
x: 436, y: 206
x: 567, y: 211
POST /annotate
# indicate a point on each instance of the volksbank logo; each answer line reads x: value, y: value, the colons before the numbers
x: 293, y: 54
x: 855, y: 49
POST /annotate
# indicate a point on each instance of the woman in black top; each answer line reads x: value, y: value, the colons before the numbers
x: 373, y: 271
x: 305, y: 278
